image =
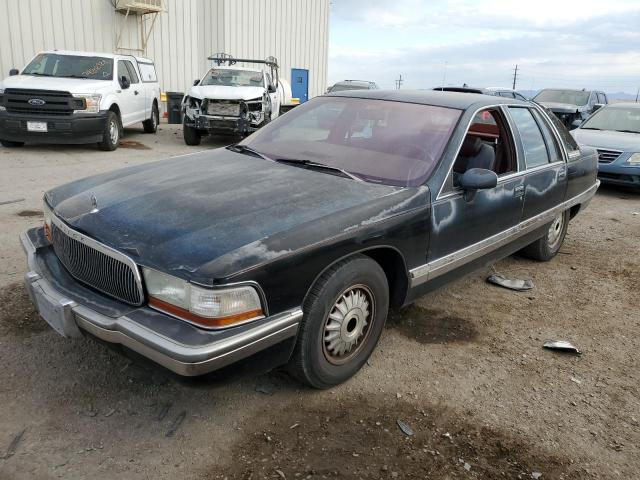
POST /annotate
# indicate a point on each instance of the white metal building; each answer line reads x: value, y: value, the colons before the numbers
x: 179, y: 38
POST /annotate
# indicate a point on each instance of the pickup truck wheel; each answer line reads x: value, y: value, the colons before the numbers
x: 151, y: 125
x: 191, y: 135
x: 344, y: 314
x: 10, y: 144
x: 111, y: 135
x: 546, y: 247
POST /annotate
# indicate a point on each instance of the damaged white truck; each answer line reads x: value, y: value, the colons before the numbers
x: 234, y: 100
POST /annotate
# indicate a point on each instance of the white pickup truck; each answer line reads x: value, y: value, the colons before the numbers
x: 78, y: 97
x: 232, y: 99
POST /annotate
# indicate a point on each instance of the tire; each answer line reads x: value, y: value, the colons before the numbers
x: 547, y: 247
x: 11, y: 144
x: 191, y: 135
x: 359, y: 285
x: 151, y: 125
x: 111, y: 135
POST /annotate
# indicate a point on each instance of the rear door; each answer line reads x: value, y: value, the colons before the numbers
x: 545, y: 180
x: 139, y: 100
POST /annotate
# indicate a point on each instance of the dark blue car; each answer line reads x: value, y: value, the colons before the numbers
x: 303, y: 236
x: 615, y: 132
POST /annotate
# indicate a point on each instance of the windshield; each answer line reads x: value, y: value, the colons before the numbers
x: 615, y: 118
x: 572, y: 97
x: 70, y: 66
x: 380, y: 141
x: 233, y: 78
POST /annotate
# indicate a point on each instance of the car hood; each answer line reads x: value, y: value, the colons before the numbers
x: 625, y: 141
x: 73, y: 85
x: 220, y: 92
x: 209, y: 215
x: 562, y: 107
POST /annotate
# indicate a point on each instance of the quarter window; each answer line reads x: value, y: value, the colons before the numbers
x: 535, y: 151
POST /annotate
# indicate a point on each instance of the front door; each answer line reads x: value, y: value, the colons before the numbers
x: 300, y: 84
x: 467, y: 227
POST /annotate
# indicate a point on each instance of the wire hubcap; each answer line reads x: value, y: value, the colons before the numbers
x: 347, y: 324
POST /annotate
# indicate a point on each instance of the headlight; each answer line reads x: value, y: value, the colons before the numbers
x: 634, y: 160
x: 212, y: 308
x: 90, y: 101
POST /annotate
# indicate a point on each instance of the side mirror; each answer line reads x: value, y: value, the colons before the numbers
x: 271, y: 88
x: 196, y: 82
x: 124, y: 82
x: 597, y: 106
x: 476, y: 179
x: 13, y: 71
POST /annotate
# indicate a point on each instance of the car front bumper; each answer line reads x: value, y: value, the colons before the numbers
x: 616, y: 174
x: 72, y: 310
x: 77, y: 128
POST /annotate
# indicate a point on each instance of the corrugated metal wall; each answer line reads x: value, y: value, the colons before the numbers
x: 294, y: 31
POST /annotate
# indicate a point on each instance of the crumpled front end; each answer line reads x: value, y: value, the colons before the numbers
x: 240, y: 117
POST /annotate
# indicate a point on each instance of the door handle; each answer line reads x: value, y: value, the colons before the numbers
x: 562, y: 174
x: 136, y: 92
x: 518, y: 191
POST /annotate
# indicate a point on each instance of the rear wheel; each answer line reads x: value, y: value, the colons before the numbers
x: 111, y: 135
x: 344, y: 314
x: 546, y: 247
x: 191, y: 135
x: 11, y: 144
x: 151, y: 125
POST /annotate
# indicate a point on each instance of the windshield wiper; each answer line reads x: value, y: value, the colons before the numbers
x: 39, y: 74
x: 318, y: 166
x: 247, y: 151
x: 73, y: 76
x: 590, y: 128
x: 628, y: 131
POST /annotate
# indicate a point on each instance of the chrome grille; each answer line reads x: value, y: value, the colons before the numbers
x: 95, y: 268
x: 608, y: 156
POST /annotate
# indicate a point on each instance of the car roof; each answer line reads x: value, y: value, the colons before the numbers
x: 623, y: 105
x: 458, y: 100
x: 97, y: 54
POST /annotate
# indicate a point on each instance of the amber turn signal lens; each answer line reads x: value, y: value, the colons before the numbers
x: 216, y: 322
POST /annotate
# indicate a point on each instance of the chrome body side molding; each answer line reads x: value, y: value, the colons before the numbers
x: 442, y: 265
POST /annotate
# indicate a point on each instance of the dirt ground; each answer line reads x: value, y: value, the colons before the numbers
x: 462, y: 371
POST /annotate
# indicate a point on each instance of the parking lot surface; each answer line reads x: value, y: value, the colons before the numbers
x: 464, y: 368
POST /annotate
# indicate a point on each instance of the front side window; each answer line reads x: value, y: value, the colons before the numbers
x: 233, y: 78
x: 380, y: 141
x: 70, y: 66
x: 535, y: 151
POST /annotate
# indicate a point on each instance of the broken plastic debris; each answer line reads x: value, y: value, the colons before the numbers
x: 536, y: 475
x: 404, y: 426
x: 561, y: 345
x: 510, y: 283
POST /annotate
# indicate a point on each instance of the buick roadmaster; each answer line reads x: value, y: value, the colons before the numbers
x: 303, y: 235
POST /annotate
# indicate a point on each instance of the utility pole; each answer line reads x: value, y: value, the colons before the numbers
x: 637, y: 94
x: 515, y: 77
x: 444, y: 74
x: 399, y: 82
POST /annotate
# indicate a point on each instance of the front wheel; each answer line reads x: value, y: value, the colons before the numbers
x: 344, y: 315
x: 547, y: 247
x: 191, y: 135
x: 111, y: 135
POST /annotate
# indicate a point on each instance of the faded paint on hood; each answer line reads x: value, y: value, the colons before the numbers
x: 207, y: 215
x: 625, y: 141
x: 222, y: 92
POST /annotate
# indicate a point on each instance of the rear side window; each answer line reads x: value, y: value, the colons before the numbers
x: 535, y: 150
x: 148, y: 72
x: 553, y: 148
x: 567, y: 140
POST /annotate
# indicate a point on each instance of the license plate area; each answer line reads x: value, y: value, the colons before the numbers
x: 37, y: 126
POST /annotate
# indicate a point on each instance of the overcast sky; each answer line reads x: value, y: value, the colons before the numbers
x: 556, y: 43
